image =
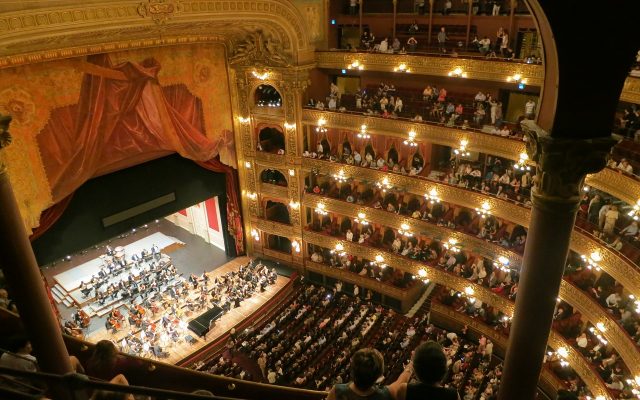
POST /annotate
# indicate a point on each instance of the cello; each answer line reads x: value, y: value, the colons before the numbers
x: 84, y: 318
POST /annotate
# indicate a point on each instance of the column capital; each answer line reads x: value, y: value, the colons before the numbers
x: 562, y: 164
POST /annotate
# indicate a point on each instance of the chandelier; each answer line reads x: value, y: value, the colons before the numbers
x: 294, y: 204
x: 244, y: 120
x: 255, y: 235
x: 320, y: 209
x: 562, y: 354
x: 404, y: 230
x: 517, y: 78
x: 356, y: 65
x: 411, y: 140
x: 592, y: 260
x: 321, y: 123
x: 295, y: 245
x: 360, y: 219
x: 462, y: 150
x: 635, y: 211
x: 502, y: 263
x: 484, y: 210
x: 401, y: 68
x: 596, y: 332
x: 457, y: 73
x: 340, y: 177
x: 521, y: 165
x: 422, y: 273
x: 260, y: 75
x: 363, y: 132
x: 432, y: 196
x: 339, y: 250
x: 379, y: 261
x: 452, y: 245
x: 384, y: 185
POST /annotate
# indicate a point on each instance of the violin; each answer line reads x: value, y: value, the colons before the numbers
x: 140, y: 310
x: 84, y: 318
x: 117, y: 315
x: 114, y: 323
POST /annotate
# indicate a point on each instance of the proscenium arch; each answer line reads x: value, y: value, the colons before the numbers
x: 115, y: 26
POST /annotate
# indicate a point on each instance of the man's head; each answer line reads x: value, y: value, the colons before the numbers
x: 429, y: 362
x: 367, y: 365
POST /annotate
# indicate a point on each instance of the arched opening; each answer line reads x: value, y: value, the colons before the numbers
x: 277, y: 212
x: 267, y: 96
x: 273, y: 177
x: 279, y: 243
x: 392, y: 156
x: 271, y: 140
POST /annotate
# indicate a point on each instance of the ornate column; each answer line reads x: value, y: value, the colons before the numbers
x: 562, y: 165
x: 23, y: 276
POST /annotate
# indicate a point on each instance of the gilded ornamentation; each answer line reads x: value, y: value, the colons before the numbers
x: 18, y: 103
x: 478, y: 141
x: 279, y: 192
x: 616, y: 184
x: 159, y: 10
x: 591, y: 310
x: 274, y: 228
x: 257, y: 50
x: 490, y: 70
x: 270, y: 159
x: 562, y: 164
x: 631, y: 90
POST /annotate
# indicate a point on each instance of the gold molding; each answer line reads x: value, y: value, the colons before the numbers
x: 270, y: 160
x: 478, y: 141
x: 280, y: 192
x: 616, y: 266
x: 478, y: 246
x: 274, y: 228
x: 631, y: 90
x: 487, y: 70
x: 615, y: 334
x: 616, y: 184
x: 346, y: 276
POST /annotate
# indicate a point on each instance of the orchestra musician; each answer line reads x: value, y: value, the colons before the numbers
x: 81, y: 318
x: 113, y: 324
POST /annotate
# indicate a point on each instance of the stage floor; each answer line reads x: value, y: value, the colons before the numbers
x: 180, y: 350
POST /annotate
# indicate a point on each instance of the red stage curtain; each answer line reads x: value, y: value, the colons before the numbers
x: 234, y: 218
x: 50, y: 216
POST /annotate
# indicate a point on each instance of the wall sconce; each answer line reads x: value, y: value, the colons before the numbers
x: 255, y: 235
x: 384, y: 185
x: 363, y: 132
x: 260, y: 75
x: 635, y: 211
x: 562, y: 354
x: 457, y: 73
x: 289, y: 126
x: 339, y: 249
x: 320, y: 209
x: 636, y: 302
x: 502, y: 263
x: 252, y: 195
x: 593, y: 260
x: 411, y: 140
x: 521, y: 165
x: 462, y: 150
x: 404, y: 230
x: 595, y: 333
x: 295, y: 245
x: 247, y: 164
x: 356, y: 65
x: 432, y: 196
x: 340, y: 176
x: 244, y: 120
x: 451, y: 245
x: 422, y: 274
x: 292, y: 172
x: 379, y: 260
x: 321, y: 123
x: 361, y: 219
x: 401, y: 68
x: 484, y: 210
x: 517, y: 78
x: 294, y: 204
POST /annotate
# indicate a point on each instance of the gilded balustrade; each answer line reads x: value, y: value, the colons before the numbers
x: 631, y: 90
x: 277, y: 191
x: 612, y: 262
x: 459, y: 284
x: 270, y: 159
x: 274, y: 228
x: 349, y: 277
x: 608, y: 180
x: 476, y: 68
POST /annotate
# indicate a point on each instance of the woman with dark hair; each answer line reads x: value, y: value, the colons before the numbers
x: 103, y: 363
x: 430, y: 366
x: 367, y: 366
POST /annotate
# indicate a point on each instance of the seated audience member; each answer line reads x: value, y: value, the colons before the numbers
x: 104, y: 361
x: 367, y: 366
x: 430, y: 366
x: 111, y: 395
x: 21, y: 358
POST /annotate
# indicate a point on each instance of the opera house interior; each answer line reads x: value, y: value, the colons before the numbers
x: 319, y: 199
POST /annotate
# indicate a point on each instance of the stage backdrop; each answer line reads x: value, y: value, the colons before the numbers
x: 84, y: 117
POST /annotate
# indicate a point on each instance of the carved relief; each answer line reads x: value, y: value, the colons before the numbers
x: 259, y: 50
x: 159, y: 10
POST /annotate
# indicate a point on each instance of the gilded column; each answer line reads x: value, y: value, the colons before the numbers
x: 562, y: 165
x: 23, y: 276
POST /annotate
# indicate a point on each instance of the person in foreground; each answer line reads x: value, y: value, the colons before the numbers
x: 430, y: 366
x: 367, y: 366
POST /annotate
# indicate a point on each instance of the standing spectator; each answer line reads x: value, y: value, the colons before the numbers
x: 420, y: 7
x: 594, y: 208
x: 442, y: 40
x: 430, y: 367
x: 496, y: 8
x: 484, y: 45
x: 498, y: 43
x: 504, y: 43
x: 399, y: 104
x: 353, y: 7
x: 610, y: 220
x: 447, y: 7
x: 493, y: 110
x: 529, y: 109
